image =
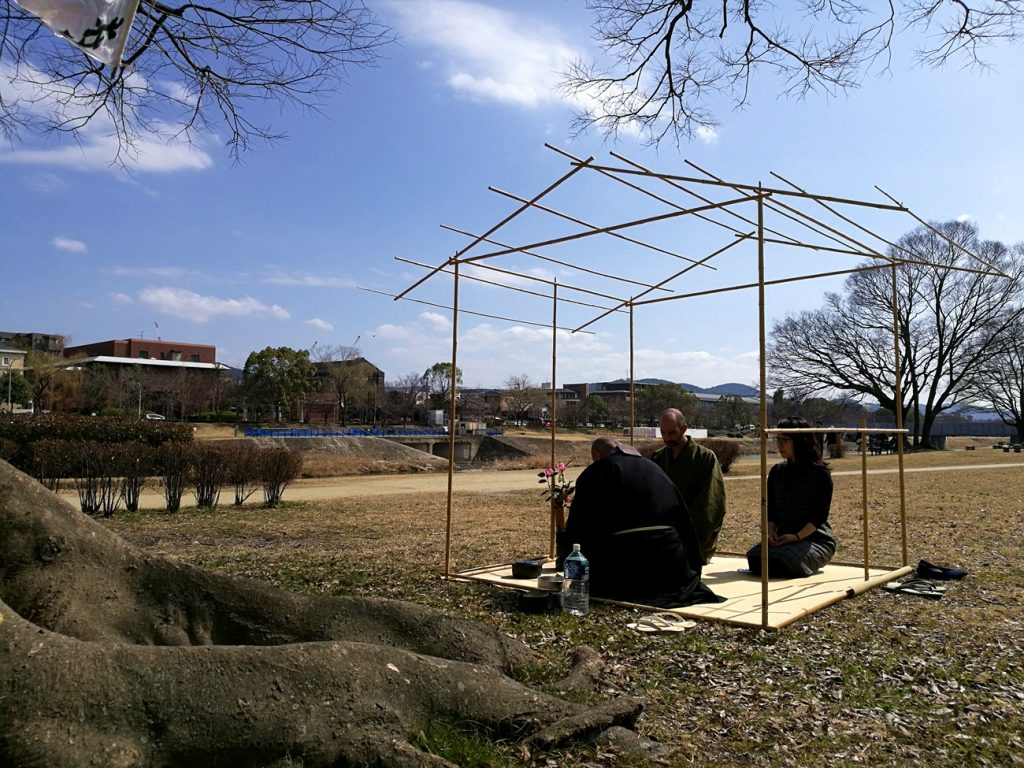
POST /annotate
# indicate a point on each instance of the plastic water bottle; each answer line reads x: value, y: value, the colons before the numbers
x: 576, y: 592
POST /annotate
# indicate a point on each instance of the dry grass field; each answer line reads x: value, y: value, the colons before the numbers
x: 879, y: 680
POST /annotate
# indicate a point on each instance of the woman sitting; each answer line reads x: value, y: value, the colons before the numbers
x: 799, y: 496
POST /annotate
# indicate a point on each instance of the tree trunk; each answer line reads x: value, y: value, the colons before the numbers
x: 253, y: 675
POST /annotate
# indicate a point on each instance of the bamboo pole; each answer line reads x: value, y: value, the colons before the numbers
x: 668, y: 279
x: 754, y: 189
x: 632, y: 382
x: 745, y: 219
x: 898, y: 392
x: 554, y: 357
x: 451, y: 425
x: 572, y: 172
x: 496, y: 284
x: 550, y: 260
x: 763, y: 384
x: 612, y: 228
x: 470, y: 312
x: 864, y: 489
x: 588, y: 225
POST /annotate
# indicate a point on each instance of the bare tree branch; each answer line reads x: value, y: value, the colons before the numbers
x: 668, y: 61
x: 188, y: 69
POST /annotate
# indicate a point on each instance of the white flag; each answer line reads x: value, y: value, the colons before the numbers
x: 98, y: 27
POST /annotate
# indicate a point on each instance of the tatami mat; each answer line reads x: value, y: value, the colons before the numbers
x: 788, y: 599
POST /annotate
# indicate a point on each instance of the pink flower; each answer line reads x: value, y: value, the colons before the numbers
x: 561, y: 466
x: 549, y: 472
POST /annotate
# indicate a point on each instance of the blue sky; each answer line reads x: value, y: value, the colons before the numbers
x: 276, y: 250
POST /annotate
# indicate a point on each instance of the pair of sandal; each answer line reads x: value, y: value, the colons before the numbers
x: 919, y: 587
x: 661, y: 622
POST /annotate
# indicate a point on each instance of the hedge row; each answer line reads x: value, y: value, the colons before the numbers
x: 108, y: 476
x: 20, y: 433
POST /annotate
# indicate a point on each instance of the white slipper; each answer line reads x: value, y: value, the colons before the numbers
x: 661, y: 622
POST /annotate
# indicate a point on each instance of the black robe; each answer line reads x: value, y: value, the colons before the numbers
x: 659, y: 564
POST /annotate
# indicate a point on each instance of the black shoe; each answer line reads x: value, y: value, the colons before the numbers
x: 929, y: 571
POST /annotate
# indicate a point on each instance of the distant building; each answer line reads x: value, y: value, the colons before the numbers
x: 33, y: 342
x: 146, y: 349
x: 172, y: 377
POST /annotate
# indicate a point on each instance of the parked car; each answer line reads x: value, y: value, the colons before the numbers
x: 155, y: 417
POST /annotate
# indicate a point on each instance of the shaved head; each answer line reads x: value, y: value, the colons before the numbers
x: 602, y: 447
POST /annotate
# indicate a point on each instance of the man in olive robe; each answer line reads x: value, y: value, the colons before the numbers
x: 698, y: 476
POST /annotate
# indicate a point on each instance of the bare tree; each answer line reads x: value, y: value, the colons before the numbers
x: 521, y: 397
x: 950, y: 323
x: 346, y: 374
x: 1001, y: 380
x: 670, y: 58
x: 190, y: 65
x: 403, y: 396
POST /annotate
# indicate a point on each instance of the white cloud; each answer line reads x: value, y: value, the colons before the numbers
x: 121, y: 298
x: 436, y: 321
x: 189, y: 305
x: 964, y: 217
x: 489, y: 354
x: 491, y: 54
x: 311, y: 281
x: 707, y: 134
x: 323, y: 325
x: 67, y: 244
x: 154, y: 272
x: 46, y: 183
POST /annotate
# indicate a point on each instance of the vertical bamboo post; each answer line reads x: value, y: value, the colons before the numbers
x: 763, y: 383
x: 864, y: 488
x: 898, y: 382
x: 632, y: 381
x: 451, y: 424
x: 554, y: 408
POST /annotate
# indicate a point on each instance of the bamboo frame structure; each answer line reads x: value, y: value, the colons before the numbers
x: 826, y: 239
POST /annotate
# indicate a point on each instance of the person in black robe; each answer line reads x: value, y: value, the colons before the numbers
x: 632, y: 524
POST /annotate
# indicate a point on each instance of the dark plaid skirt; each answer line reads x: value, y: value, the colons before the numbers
x: 792, y: 561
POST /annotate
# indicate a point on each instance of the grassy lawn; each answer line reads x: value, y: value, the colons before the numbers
x: 881, y: 679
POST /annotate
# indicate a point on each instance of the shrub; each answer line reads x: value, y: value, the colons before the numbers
x: 726, y: 451
x: 243, y: 470
x: 279, y: 467
x: 135, y: 462
x: 48, y: 461
x: 93, y: 466
x: 172, y: 464
x: 209, y: 468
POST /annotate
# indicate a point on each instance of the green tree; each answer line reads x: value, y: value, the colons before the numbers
x: 277, y: 377
x: 731, y: 412
x: 437, y: 380
x: 652, y: 401
x: 194, y: 66
x: 46, y: 374
x: 596, y: 410
x: 14, y: 388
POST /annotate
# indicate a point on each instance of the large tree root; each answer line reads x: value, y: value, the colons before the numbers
x: 71, y: 703
x: 65, y: 572
x: 254, y: 675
